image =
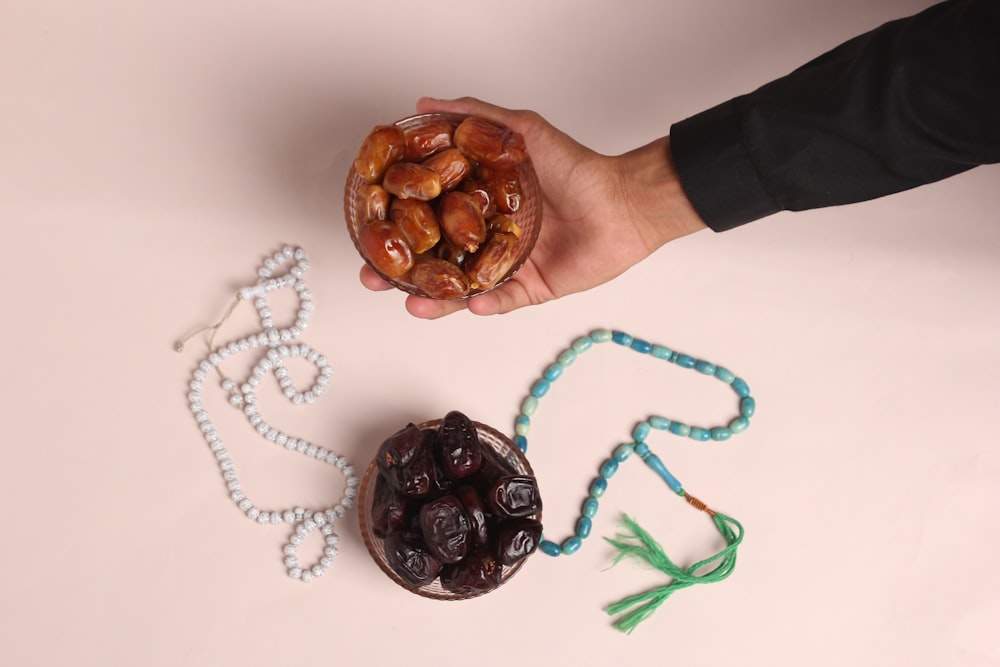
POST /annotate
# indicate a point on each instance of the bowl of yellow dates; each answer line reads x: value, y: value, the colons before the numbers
x: 443, y: 206
x: 449, y: 508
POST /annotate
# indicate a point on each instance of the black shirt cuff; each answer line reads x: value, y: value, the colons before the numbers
x: 716, y: 171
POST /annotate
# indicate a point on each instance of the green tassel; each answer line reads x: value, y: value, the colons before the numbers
x: 640, y: 544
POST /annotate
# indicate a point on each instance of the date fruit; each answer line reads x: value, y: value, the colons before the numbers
x: 408, y: 180
x: 439, y: 278
x: 462, y: 221
x: 372, y: 203
x: 514, y: 496
x: 504, y: 186
x: 478, y: 573
x: 445, y: 528
x: 490, y: 143
x: 516, y: 539
x: 459, y: 450
x: 390, y: 510
x: 493, y: 261
x: 383, y: 146
x: 417, y: 222
x: 409, y: 558
x: 452, y: 165
x: 426, y: 140
x: 383, y: 244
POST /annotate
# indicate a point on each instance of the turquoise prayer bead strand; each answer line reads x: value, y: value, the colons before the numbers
x: 640, y: 432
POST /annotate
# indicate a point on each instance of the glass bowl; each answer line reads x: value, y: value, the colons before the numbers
x: 488, y: 437
x: 528, y: 216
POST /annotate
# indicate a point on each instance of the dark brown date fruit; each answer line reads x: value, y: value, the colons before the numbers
x: 445, y: 528
x: 458, y: 450
x: 424, y: 141
x: 479, y: 535
x: 384, y: 246
x: 462, y: 222
x: 481, y: 194
x: 399, y: 448
x: 409, y: 558
x: 493, y: 262
x: 407, y: 180
x: 505, y: 186
x: 514, y: 496
x: 478, y: 573
x: 417, y: 222
x: 383, y: 146
x: 372, y: 203
x: 439, y: 278
x: 514, y: 539
x: 490, y: 143
x: 452, y: 165
x: 439, y: 483
x: 390, y: 510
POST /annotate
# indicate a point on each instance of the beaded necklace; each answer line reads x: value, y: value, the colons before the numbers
x: 280, y: 345
x: 637, y: 543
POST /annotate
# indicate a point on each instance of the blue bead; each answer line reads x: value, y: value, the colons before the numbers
x: 661, y: 352
x: 686, y: 361
x: 598, y: 487
x: 529, y: 405
x: 623, y: 452
x: 721, y: 433
x: 553, y: 372
x: 680, y: 428
x: 641, y: 431
x: 724, y: 374
x: 706, y: 367
x: 550, y: 548
x: 601, y: 335
x: 521, y: 442
x: 566, y: 357
x: 699, y: 434
x: 571, y: 545
x: 739, y: 425
x: 609, y: 468
x: 654, y: 462
x: 642, y: 449
x: 621, y: 338
x: 522, y: 425
x: 659, y: 423
x: 582, y: 344
x: 583, y: 527
x: 740, y: 387
x: 641, y: 346
x: 590, y: 506
x: 748, y: 406
x: 540, y: 388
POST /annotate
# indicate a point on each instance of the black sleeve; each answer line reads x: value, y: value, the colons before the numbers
x: 911, y: 102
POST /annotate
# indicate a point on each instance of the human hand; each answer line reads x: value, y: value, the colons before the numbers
x: 601, y: 214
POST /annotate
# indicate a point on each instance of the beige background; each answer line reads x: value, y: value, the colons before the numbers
x: 152, y: 153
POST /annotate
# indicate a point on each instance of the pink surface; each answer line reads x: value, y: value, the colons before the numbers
x: 153, y: 153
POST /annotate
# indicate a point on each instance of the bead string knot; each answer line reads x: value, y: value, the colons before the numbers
x: 637, y: 543
x: 280, y: 345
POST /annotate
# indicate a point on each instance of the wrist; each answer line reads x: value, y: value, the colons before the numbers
x: 654, y: 198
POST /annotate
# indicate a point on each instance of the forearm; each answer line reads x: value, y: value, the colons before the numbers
x: 909, y: 103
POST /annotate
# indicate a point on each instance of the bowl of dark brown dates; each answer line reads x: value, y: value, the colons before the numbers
x: 443, y: 206
x: 449, y: 509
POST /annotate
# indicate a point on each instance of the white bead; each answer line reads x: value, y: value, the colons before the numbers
x: 319, y: 518
x: 291, y: 444
x: 298, y: 399
x: 229, y: 475
x: 304, y: 263
x: 295, y: 539
x: 276, y: 518
x: 310, y: 397
x: 351, y: 492
x: 302, y: 446
x: 321, y: 454
x: 264, y: 517
x: 307, y: 576
x: 194, y: 397
x: 353, y: 481
x: 199, y: 375
x: 295, y: 271
x: 228, y: 385
x: 226, y: 465
x: 288, y: 516
x: 300, y: 254
x: 295, y: 573
x: 253, y: 512
x: 245, y: 504
x: 215, y: 359
x: 264, y: 272
x: 295, y: 332
x: 246, y: 293
x: 237, y: 496
x: 236, y: 400
x: 288, y: 251
x: 282, y: 438
x: 195, y: 385
x: 325, y: 562
x: 250, y: 410
x: 267, y: 323
x: 327, y: 528
x: 291, y: 561
x: 285, y: 335
x: 311, y: 451
x: 347, y: 503
x: 244, y: 345
x: 302, y: 324
x: 330, y: 552
x: 317, y: 570
x: 299, y: 513
x: 332, y: 540
x: 289, y: 549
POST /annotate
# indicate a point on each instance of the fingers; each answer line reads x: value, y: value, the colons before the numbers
x: 509, y: 296
x: 372, y: 280
x: 466, y: 105
x: 431, y: 309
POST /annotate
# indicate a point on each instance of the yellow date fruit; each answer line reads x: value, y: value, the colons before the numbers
x: 503, y: 223
x: 384, y: 146
x: 490, y: 143
x: 384, y: 246
x: 418, y: 223
x: 439, y: 278
x: 493, y: 262
x: 372, y: 203
x: 424, y: 141
x: 452, y: 165
x: 408, y: 180
x: 462, y: 223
